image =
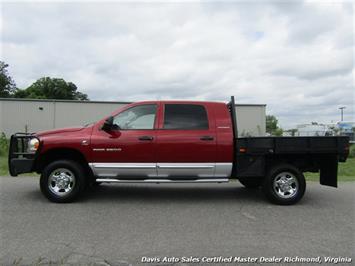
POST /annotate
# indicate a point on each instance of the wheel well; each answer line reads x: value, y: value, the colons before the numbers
x: 58, y: 154
x: 304, y: 163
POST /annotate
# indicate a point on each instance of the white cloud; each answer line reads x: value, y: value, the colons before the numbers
x: 297, y: 58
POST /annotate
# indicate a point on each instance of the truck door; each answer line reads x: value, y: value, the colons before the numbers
x: 186, y: 141
x: 129, y: 149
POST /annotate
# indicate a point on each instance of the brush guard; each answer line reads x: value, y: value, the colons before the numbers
x: 21, y: 160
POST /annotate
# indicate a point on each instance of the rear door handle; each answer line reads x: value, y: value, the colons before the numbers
x: 207, y: 138
x: 149, y: 138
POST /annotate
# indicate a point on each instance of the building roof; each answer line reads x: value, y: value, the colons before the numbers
x: 78, y: 101
x: 57, y: 100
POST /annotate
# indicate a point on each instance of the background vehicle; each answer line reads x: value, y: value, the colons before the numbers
x: 173, y: 141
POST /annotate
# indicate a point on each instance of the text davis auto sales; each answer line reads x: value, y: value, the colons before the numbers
x: 238, y: 259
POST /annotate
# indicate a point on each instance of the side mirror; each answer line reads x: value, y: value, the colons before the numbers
x: 108, y: 124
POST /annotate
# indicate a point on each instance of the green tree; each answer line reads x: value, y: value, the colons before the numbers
x: 292, y: 131
x: 272, y: 126
x: 51, y: 88
x: 7, y: 84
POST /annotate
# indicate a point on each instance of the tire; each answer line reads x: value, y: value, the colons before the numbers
x: 251, y: 182
x: 284, y: 184
x: 62, y: 181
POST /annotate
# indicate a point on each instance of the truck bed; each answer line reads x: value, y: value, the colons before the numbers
x: 336, y: 145
x: 255, y: 154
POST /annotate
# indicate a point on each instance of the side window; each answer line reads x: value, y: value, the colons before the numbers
x: 138, y: 117
x: 185, y: 116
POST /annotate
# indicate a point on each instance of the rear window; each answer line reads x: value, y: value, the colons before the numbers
x: 185, y: 116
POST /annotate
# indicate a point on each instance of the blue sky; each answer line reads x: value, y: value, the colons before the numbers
x: 295, y: 57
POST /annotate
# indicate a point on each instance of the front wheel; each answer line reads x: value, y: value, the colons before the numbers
x: 284, y: 184
x: 62, y: 181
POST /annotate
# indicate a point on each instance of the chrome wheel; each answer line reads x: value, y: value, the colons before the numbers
x: 285, y: 185
x: 61, y: 182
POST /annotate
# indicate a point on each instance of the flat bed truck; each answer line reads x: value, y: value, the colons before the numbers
x: 173, y: 142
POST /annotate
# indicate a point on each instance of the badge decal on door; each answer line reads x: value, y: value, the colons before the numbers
x: 107, y: 149
x: 113, y: 149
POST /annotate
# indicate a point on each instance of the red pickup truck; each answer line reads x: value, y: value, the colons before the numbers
x: 173, y: 141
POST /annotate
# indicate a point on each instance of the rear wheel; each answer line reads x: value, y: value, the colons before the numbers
x: 250, y: 182
x: 284, y: 184
x: 62, y: 181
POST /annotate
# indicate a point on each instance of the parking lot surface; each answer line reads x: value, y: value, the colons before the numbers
x: 122, y: 224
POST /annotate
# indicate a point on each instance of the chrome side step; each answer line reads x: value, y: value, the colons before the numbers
x: 111, y: 180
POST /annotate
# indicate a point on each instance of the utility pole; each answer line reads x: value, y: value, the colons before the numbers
x: 342, y: 112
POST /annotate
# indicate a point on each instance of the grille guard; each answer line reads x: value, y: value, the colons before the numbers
x: 18, y: 152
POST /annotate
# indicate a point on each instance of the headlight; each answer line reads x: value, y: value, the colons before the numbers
x: 33, y: 145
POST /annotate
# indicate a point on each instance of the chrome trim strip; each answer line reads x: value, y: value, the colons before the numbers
x: 223, y: 169
x: 123, y: 165
x: 162, y: 170
x: 111, y: 180
x: 114, y: 170
x: 185, y: 165
x: 180, y: 170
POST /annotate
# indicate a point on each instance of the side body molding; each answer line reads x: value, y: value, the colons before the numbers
x: 124, y: 169
x: 162, y: 170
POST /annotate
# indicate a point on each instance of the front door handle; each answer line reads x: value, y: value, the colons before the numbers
x: 149, y: 138
x: 207, y: 138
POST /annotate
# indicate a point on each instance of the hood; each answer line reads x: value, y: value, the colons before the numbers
x: 58, y: 131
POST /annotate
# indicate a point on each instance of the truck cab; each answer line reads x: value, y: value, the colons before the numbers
x: 163, y: 140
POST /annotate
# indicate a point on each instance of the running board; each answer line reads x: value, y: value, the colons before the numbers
x: 110, y: 180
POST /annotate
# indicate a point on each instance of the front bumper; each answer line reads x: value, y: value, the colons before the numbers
x: 20, y: 160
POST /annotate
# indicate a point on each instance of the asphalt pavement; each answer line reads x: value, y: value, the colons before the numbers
x: 127, y: 223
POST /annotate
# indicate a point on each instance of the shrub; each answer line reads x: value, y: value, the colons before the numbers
x: 352, y: 151
x: 4, y: 144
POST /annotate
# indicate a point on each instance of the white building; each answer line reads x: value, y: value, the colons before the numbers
x: 31, y: 115
x: 314, y: 130
x: 339, y: 128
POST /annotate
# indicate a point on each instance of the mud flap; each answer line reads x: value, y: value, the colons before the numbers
x: 329, y: 171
